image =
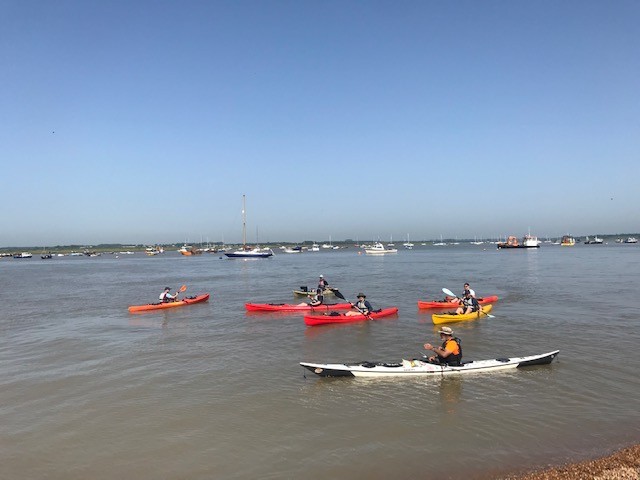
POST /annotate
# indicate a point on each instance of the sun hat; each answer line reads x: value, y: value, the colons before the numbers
x: 361, y: 295
x: 446, y: 331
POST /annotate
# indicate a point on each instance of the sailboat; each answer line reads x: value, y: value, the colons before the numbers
x: 408, y: 245
x: 247, y: 252
x: 440, y: 243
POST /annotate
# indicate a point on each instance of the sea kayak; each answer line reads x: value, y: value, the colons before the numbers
x: 441, y: 304
x: 412, y: 368
x: 335, y: 317
x: 284, y: 307
x: 452, y: 317
x: 180, y: 303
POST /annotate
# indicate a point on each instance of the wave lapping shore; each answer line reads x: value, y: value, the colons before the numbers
x: 621, y: 465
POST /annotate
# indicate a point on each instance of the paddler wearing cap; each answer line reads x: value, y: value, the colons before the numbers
x: 362, y: 306
x: 166, y: 297
x: 450, y: 352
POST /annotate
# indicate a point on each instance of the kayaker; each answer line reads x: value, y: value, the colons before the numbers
x: 362, y: 306
x: 450, y: 352
x: 469, y: 304
x: 315, y: 300
x: 165, y: 296
x: 322, y: 283
x: 466, y: 288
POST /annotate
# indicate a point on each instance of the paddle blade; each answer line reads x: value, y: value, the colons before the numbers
x: 337, y: 293
x: 183, y: 288
x: 446, y: 291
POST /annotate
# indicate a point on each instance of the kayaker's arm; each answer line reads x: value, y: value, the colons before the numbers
x: 439, y: 351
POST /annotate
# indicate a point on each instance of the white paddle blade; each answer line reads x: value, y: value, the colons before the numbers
x: 446, y: 291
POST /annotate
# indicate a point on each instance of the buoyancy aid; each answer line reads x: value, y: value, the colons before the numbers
x: 454, y: 358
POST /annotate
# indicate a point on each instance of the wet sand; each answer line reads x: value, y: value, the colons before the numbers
x: 621, y: 465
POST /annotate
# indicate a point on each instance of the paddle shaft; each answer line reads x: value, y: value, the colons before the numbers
x: 337, y: 293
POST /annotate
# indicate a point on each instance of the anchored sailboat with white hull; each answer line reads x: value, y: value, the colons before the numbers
x: 248, y: 252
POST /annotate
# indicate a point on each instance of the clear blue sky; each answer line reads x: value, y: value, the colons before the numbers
x: 146, y: 121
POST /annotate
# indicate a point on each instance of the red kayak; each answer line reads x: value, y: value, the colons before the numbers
x: 441, y: 304
x: 179, y: 303
x: 284, y: 307
x: 313, y: 320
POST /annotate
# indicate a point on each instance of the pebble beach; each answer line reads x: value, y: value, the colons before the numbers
x: 621, y: 465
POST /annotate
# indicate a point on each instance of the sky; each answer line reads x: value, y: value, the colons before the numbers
x: 147, y: 121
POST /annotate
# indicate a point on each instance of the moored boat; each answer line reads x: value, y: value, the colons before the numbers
x: 567, y: 241
x: 179, y: 303
x: 379, y: 249
x: 438, y: 318
x: 244, y: 251
x: 335, y: 317
x: 424, y: 304
x: 631, y: 240
x: 412, y: 368
x: 285, y: 307
x: 528, y: 241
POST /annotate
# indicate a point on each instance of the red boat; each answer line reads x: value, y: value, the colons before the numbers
x: 284, y: 307
x: 179, y: 303
x: 313, y: 320
x: 441, y: 304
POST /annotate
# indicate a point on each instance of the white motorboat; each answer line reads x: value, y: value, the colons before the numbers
x: 379, y: 249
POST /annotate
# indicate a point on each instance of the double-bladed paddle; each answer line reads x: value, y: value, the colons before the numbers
x: 446, y: 291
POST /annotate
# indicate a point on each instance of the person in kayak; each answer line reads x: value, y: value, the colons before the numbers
x: 458, y: 300
x: 322, y: 283
x: 469, y: 304
x: 315, y: 299
x: 166, y: 297
x: 450, y: 352
x: 362, y: 306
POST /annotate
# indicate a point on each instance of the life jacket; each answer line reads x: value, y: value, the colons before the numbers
x: 453, y: 358
x: 471, y: 302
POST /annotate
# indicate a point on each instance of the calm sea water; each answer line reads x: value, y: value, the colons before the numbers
x: 88, y: 390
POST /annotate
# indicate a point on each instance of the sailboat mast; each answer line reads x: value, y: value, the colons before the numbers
x: 244, y: 222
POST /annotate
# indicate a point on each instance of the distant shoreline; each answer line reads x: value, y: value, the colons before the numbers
x: 139, y: 247
x: 621, y: 465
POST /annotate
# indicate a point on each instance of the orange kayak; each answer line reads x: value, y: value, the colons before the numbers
x: 181, y: 303
x: 439, y: 304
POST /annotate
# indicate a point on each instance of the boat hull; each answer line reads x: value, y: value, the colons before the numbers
x: 249, y: 254
x: 313, y: 320
x: 427, y: 304
x: 450, y: 318
x: 284, y: 307
x: 413, y: 368
x: 161, y: 306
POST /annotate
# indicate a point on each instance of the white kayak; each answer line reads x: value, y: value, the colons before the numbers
x: 409, y: 368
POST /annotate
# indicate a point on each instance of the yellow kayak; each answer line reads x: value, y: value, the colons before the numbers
x: 452, y: 317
